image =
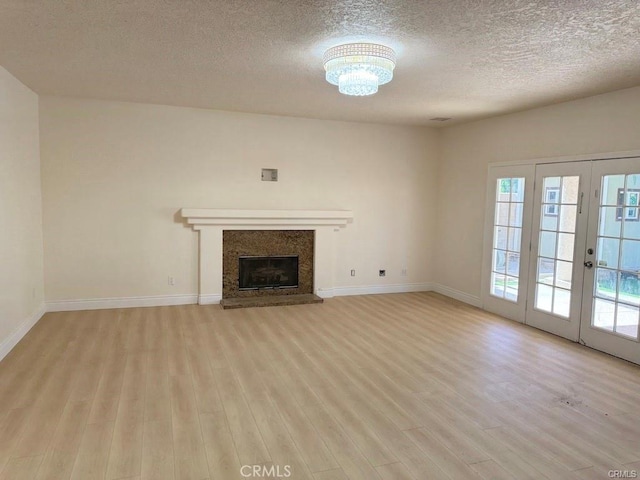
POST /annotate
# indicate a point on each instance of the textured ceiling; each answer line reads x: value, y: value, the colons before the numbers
x: 461, y: 59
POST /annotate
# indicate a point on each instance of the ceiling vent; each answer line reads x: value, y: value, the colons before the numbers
x: 440, y: 119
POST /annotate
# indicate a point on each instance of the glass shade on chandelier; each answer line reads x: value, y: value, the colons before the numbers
x: 359, y: 68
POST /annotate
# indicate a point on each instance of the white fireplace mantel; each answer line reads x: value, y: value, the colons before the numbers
x: 210, y: 223
x: 251, y: 218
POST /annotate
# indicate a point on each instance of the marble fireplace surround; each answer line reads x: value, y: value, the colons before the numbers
x: 266, y: 243
x: 210, y: 223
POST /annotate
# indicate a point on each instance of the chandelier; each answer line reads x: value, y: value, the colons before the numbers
x: 359, y: 68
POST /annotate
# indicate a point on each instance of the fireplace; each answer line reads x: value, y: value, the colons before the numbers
x: 263, y: 263
x: 271, y: 272
x: 217, y: 262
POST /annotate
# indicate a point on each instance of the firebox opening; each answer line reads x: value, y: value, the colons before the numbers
x: 271, y: 272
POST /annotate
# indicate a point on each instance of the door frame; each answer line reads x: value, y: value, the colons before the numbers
x: 568, y: 158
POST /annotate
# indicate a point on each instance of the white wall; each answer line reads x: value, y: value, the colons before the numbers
x: 599, y: 124
x: 21, y: 272
x: 116, y: 174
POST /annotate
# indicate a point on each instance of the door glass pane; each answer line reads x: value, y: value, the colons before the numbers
x: 603, y: 314
x: 564, y: 271
x: 497, y: 284
x: 561, y: 302
x: 549, y: 222
x: 606, y: 283
x: 553, y: 182
x: 544, y: 297
x: 631, y: 227
x: 610, y: 186
x: 568, y: 214
x: 630, y: 258
x: 548, y: 244
x: 629, y: 291
x: 608, y: 252
x: 500, y: 237
x: 502, y: 214
x: 515, y: 238
x: 633, y: 180
x: 627, y: 321
x: 507, y: 238
x: 511, y: 288
x: 565, y: 246
x: 517, y: 190
x: 609, y: 224
x: 617, y: 286
x: 570, y: 187
x: 513, y: 255
x: 546, y: 271
x: 499, y: 261
x: 555, y: 249
x: 515, y: 217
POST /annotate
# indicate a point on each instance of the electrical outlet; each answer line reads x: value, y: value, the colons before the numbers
x: 171, y: 281
x: 404, y: 272
x: 353, y: 273
x: 382, y: 273
x: 269, y: 174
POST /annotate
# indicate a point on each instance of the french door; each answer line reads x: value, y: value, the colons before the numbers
x: 509, y: 228
x: 611, y: 306
x: 563, y: 250
x: 560, y: 218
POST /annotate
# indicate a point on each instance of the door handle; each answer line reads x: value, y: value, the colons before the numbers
x: 588, y: 264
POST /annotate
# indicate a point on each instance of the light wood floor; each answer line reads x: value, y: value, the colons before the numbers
x: 394, y: 387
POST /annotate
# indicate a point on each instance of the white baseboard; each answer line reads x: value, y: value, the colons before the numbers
x: 378, y: 289
x: 457, y: 295
x: 403, y: 288
x: 12, y: 340
x: 211, y: 299
x: 123, y: 302
x: 325, y: 292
